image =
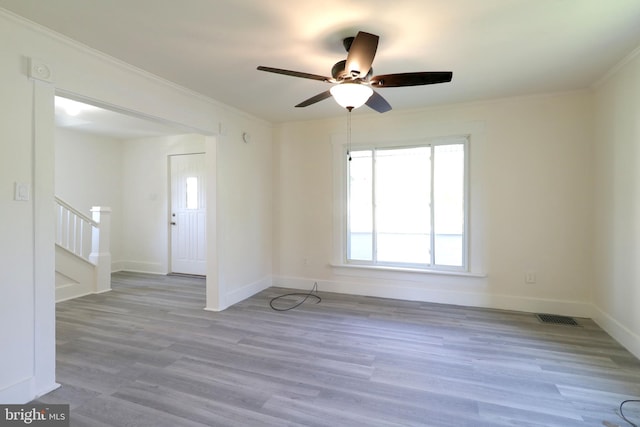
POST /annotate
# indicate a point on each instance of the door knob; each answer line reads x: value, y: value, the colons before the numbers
x: 173, y: 223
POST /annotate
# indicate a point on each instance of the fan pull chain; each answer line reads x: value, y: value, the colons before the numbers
x: 349, y: 133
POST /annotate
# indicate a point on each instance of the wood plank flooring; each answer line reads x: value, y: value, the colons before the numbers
x: 147, y: 354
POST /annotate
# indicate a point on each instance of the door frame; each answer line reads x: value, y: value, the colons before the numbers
x: 170, y: 209
x: 44, y: 236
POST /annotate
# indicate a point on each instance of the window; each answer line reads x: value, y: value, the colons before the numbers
x: 192, y: 192
x: 406, y: 206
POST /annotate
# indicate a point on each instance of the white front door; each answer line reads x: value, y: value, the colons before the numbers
x: 188, y: 214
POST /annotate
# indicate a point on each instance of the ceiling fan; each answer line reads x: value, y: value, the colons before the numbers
x: 353, y: 78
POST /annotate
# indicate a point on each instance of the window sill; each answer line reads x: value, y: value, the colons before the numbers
x: 408, y: 270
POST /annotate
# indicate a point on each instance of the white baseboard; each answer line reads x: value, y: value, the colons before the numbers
x: 17, y: 394
x: 70, y: 296
x: 246, y: 291
x: 23, y: 392
x: 142, y: 267
x: 622, y: 334
x: 468, y: 299
x: 48, y: 389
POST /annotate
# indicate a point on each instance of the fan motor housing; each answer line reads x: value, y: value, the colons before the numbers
x: 337, y: 71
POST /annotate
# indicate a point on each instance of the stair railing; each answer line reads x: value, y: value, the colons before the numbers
x: 87, y: 238
x: 74, y: 230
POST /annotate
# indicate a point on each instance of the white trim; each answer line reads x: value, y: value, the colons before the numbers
x: 42, y: 391
x: 617, y: 67
x: 18, y: 393
x: 80, y: 258
x: 187, y: 129
x: 246, y: 291
x: 339, y: 196
x: 44, y: 314
x: 410, y: 292
x: 468, y: 134
x: 143, y: 267
x: 76, y: 212
x: 625, y: 336
x: 24, y: 391
x: 214, y: 284
x: 390, y: 269
x: 83, y: 295
x: 213, y: 309
x: 69, y: 298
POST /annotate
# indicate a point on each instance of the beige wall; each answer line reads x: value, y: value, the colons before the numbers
x: 617, y: 207
x: 531, y: 203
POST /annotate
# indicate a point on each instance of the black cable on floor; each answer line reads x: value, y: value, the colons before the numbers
x: 297, y: 294
x: 622, y: 413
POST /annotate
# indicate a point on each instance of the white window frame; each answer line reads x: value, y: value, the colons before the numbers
x: 432, y: 266
x: 477, y: 220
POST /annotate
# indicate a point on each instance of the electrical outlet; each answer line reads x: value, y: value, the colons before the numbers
x: 530, y: 277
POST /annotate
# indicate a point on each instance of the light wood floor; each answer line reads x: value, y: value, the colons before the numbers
x: 147, y: 354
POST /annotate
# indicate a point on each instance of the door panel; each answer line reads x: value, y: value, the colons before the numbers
x: 188, y: 214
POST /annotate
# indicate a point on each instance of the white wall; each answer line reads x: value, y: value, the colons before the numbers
x: 27, y: 310
x: 531, y: 199
x: 17, y: 268
x: 617, y: 207
x: 26, y: 279
x: 88, y: 172
x: 245, y: 190
x: 145, y: 198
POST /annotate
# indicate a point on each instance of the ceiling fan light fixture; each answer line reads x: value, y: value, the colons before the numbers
x: 352, y: 78
x: 351, y: 95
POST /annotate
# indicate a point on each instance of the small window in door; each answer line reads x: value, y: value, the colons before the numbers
x: 192, y: 192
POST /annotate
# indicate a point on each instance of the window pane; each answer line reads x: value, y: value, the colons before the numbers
x: 360, y: 234
x: 192, y: 192
x: 402, y: 205
x: 448, y: 178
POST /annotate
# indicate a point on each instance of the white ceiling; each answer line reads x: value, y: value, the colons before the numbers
x: 495, y: 48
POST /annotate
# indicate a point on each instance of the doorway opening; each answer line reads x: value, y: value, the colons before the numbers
x: 118, y: 158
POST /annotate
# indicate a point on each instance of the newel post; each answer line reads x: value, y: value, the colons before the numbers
x: 100, y: 251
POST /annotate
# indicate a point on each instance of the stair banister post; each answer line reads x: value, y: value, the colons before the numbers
x: 100, y: 250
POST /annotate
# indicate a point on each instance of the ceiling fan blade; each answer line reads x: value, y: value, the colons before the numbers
x: 361, y: 54
x: 294, y: 73
x: 319, y: 97
x: 411, y: 79
x: 378, y: 103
